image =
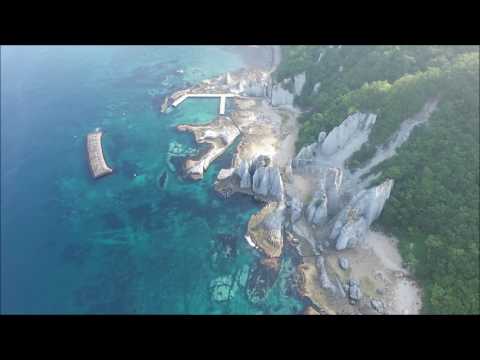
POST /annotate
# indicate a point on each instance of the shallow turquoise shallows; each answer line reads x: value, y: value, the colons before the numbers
x: 134, y: 241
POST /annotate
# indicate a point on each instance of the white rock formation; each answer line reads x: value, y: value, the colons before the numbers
x: 320, y: 56
x: 243, y: 172
x: 260, y: 181
x: 317, y: 209
x: 353, y: 126
x: 325, y: 282
x: 333, y: 183
x: 228, y: 79
x: 276, y: 184
x: 353, y: 221
x: 400, y: 136
x: 225, y: 173
x: 268, y: 182
x: 299, y: 82
x: 281, y: 96
x: 296, y: 207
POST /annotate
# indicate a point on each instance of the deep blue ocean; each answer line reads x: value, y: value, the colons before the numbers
x: 122, y: 244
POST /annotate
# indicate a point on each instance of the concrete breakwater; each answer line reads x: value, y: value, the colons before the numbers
x: 98, y: 166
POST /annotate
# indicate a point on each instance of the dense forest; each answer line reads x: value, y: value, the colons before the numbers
x: 434, y: 205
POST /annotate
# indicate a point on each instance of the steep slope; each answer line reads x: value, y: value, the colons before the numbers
x: 433, y: 207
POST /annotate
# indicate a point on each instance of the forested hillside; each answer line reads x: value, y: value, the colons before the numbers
x: 434, y: 205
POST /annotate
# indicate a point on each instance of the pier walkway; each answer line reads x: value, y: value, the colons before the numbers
x: 223, y: 97
x: 98, y: 166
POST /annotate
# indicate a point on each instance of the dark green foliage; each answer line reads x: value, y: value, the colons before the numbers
x: 434, y: 205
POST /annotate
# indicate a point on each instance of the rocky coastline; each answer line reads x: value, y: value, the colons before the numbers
x: 312, y: 203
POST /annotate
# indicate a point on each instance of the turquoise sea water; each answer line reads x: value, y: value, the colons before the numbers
x: 121, y: 244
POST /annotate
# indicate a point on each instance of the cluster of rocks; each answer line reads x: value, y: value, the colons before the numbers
x: 265, y: 229
x: 324, y: 202
x: 176, y: 149
x: 338, y: 145
x: 354, y: 292
x: 377, y: 305
x: 325, y: 282
x: 353, y: 221
x: 325, y: 159
x: 261, y: 178
x: 343, y: 263
x: 280, y: 96
x: 350, y: 290
x: 245, y: 82
x: 317, y: 209
x: 218, y: 135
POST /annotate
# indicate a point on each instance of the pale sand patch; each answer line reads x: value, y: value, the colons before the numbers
x: 258, y: 144
x: 301, y: 187
x: 286, y: 150
x: 377, y: 265
x: 386, y: 249
x: 407, y: 298
x: 289, y: 129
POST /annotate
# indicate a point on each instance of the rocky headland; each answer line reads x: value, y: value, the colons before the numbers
x: 216, y: 136
x: 311, y: 200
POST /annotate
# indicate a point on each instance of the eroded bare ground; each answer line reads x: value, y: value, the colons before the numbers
x: 266, y: 131
x: 378, y: 268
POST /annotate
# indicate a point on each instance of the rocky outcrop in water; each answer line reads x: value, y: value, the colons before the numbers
x: 265, y: 229
x: 218, y: 135
x: 260, y: 178
x: 243, y: 171
x: 225, y: 174
x: 267, y: 182
x: 353, y: 221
